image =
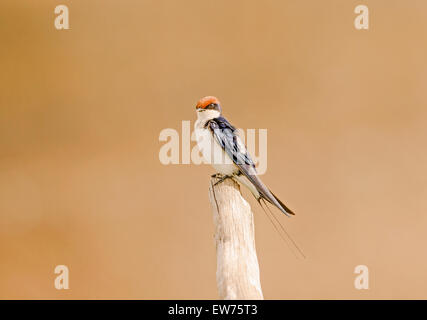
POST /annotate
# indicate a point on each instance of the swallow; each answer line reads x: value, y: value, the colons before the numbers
x: 222, y: 147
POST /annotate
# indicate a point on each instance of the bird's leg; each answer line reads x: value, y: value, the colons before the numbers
x: 221, y: 178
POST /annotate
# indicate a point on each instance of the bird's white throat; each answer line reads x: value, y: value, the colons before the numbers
x: 207, y: 115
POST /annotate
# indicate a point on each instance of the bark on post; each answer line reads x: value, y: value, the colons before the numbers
x: 237, y: 272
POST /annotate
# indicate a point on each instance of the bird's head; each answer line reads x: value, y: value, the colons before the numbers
x: 208, y: 107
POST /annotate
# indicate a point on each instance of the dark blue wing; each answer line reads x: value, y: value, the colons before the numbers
x: 228, y: 139
x: 225, y: 134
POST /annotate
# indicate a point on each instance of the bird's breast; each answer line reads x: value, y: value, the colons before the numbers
x: 213, y: 153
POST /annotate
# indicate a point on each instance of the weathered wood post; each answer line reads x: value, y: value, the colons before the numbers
x: 237, y: 272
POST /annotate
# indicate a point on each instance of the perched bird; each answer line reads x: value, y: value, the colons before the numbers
x: 221, y: 146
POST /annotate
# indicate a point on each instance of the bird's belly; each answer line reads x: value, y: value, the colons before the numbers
x: 213, y: 153
x: 245, y: 181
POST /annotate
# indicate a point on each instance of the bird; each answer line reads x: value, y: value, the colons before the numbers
x: 221, y: 146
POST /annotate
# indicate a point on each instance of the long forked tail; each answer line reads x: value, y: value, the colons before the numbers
x: 284, y: 207
x: 281, y: 231
x: 259, y: 189
x: 271, y: 198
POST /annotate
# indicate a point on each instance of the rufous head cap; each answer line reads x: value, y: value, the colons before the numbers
x: 208, y: 102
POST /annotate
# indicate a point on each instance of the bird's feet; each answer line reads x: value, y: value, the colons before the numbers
x: 221, y: 178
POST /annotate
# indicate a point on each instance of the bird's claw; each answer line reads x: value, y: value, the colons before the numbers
x: 221, y: 178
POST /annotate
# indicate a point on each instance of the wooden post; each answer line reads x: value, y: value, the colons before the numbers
x: 237, y: 272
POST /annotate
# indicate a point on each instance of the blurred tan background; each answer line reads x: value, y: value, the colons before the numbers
x: 81, y: 111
